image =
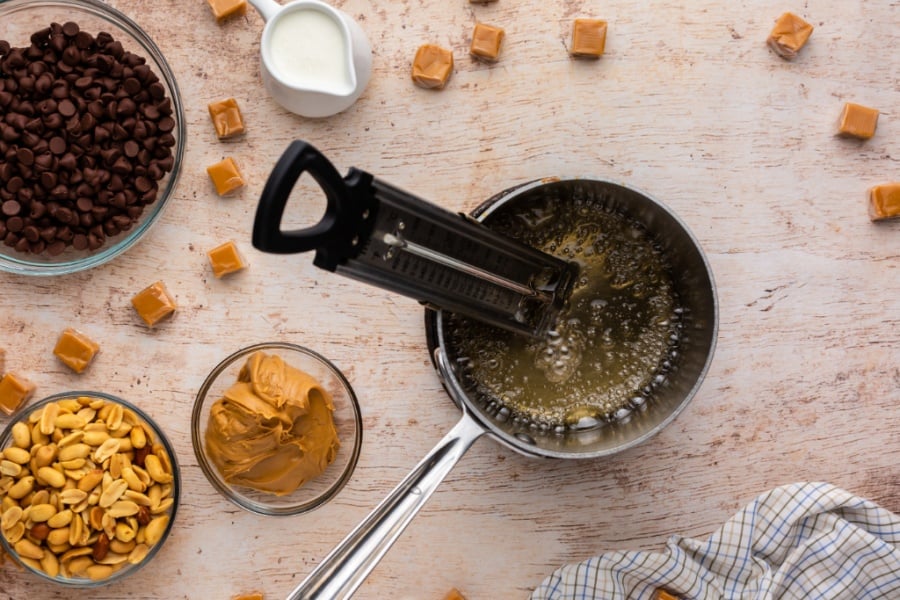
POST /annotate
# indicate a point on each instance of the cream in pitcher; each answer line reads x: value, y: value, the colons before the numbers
x: 316, y: 61
x: 309, y: 51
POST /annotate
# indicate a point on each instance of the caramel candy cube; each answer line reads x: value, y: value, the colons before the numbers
x: 454, y: 594
x: 14, y: 390
x: 225, y: 176
x: 884, y: 201
x: 75, y: 349
x: 223, y: 9
x: 588, y: 38
x: 486, y: 40
x: 664, y: 595
x: 789, y: 35
x: 226, y: 118
x: 153, y: 303
x: 858, y: 121
x: 250, y: 596
x: 225, y: 259
x: 432, y: 66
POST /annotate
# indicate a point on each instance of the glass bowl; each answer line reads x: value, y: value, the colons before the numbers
x: 20, y: 19
x: 156, y: 501
x: 347, y: 420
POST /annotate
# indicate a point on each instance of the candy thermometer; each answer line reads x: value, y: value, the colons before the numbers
x: 384, y: 236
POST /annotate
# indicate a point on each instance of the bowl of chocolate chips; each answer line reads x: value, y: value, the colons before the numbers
x: 92, y: 133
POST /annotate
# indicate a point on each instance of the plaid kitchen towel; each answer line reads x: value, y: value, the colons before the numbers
x: 801, y: 541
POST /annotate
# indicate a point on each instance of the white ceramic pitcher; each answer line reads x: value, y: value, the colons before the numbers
x: 316, y: 60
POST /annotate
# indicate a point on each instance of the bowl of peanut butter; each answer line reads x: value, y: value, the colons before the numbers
x: 276, y: 429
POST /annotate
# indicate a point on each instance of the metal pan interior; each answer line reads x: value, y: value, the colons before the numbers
x: 680, y: 368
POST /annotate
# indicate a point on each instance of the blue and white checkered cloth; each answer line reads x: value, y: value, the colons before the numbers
x: 805, y: 541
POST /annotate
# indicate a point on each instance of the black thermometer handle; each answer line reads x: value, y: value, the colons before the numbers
x: 347, y: 221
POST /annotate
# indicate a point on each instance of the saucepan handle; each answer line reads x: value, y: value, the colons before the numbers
x: 348, y: 565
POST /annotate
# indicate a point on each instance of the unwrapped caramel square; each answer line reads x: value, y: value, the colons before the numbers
x: 250, y: 596
x: 454, y: 594
x: 432, y: 66
x: 858, y: 121
x: 884, y: 201
x: 223, y: 9
x: 225, y: 176
x: 789, y: 35
x: 226, y: 118
x: 225, y: 259
x: 75, y: 349
x: 14, y: 390
x: 588, y: 38
x: 486, y: 40
x: 154, y: 303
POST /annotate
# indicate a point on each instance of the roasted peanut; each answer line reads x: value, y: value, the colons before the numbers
x: 41, y: 513
x: 20, y: 456
x: 21, y: 435
x: 100, y: 548
x: 123, y: 508
x: 60, y: 519
x: 28, y: 549
x: 50, y: 564
x: 113, y: 492
x: 51, y: 477
x: 10, y: 517
x: 117, y: 546
x: 8, y: 467
x: 39, y: 532
x: 138, y: 437
x: 59, y: 537
x: 155, y: 469
x: 143, y: 515
x: 77, y: 450
x: 21, y: 488
x: 48, y: 418
x: 69, y: 421
x: 155, y: 529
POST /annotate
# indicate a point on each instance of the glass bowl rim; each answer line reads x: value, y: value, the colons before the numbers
x: 19, y: 263
x: 229, y: 492
x: 23, y: 414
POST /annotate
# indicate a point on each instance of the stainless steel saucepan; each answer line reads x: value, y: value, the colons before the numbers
x: 347, y: 566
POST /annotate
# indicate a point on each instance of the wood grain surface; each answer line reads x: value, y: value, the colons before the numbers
x: 687, y: 104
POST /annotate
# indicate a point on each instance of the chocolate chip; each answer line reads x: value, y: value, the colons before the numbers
x: 66, y: 108
x: 31, y: 233
x: 38, y: 209
x: 15, y: 184
x: 55, y: 248
x: 25, y: 156
x: 83, y: 40
x: 84, y: 204
x: 58, y: 145
x: 70, y: 28
x: 15, y: 224
x: 71, y: 56
x: 11, y: 208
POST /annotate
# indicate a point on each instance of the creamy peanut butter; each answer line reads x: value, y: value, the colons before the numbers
x: 273, y: 430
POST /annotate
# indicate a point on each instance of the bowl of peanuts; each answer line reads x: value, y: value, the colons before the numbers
x: 89, y: 488
x: 92, y: 135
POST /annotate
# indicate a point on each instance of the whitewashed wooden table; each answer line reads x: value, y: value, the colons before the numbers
x: 687, y: 104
